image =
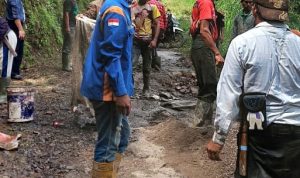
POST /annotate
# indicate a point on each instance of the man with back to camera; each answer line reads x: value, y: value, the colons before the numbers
x: 264, y: 60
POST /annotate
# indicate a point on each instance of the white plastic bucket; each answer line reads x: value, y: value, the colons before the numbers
x: 20, y: 101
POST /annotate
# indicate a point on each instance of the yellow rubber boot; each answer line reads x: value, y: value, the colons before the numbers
x: 118, y: 161
x: 104, y: 170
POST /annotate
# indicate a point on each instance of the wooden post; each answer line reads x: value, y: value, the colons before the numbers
x: 243, y: 148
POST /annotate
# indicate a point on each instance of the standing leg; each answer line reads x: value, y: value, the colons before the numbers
x: 18, y: 60
x: 203, y: 61
x: 146, y: 54
x: 125, y: 133
x: 136, y: 52
x: 67, y: 44
x: 108, y: 123
x: 15, y: 72
x: 156, y: 60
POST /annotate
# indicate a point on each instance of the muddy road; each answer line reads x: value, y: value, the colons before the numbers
x: 164, y: 142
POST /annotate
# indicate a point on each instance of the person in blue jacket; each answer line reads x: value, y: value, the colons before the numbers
x: 15, y: 16
x: 108, y: 84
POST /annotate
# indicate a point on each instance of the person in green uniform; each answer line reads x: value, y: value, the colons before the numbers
x: 70, y: 10
x: 244, y: 20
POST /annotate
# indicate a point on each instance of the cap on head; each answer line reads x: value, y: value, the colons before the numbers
x: 273, y: 9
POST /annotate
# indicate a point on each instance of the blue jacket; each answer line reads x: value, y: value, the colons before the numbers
x: 108, y: 68
x: 15, y: 10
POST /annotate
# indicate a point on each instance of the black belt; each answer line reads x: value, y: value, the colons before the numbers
x: 280, y: 130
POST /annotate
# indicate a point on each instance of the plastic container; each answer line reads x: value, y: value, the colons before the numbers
x: 20, y: 101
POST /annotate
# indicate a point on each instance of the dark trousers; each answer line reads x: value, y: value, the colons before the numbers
x: 67, y: 46
x: 204, y: 63
x: 141, y: 47
x: 19, y: 49
x: 274, y: 153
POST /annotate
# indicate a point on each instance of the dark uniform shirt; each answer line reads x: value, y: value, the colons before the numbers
x: 71, y: 7
x: 242, y: 23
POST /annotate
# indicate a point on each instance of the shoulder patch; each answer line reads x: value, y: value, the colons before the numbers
x: 113, y: 22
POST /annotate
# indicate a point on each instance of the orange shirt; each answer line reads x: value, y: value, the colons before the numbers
x: 205, y: 10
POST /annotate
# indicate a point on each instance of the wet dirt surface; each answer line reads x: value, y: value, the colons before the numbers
x: 164, y: 142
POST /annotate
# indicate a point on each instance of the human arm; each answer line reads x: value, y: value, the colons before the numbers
x: 153, y: 43
x: 115, y: 33
x: 206, y: 17
x: 156, y: 15
x: 209, y: 41
x: 228, y: 92
x: 67, y: 10
x: 19, y: 25
x: 67, y: 22
x: 17, y: 16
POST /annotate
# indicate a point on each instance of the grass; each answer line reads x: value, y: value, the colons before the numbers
x: 43, y: 33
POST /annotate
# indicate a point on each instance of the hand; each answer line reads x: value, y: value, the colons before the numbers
x: 123, y: 104
x: 213, y: 150
x: 68, y: 29
x: 153, y: 44
x: 22, y: 34
x: 219, y: 59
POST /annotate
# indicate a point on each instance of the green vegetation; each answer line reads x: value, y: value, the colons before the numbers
x: 44, y: 22
x: 43, y: 26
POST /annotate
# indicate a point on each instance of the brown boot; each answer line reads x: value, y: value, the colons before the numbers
x: 118, y: 161
x: 104, y: 170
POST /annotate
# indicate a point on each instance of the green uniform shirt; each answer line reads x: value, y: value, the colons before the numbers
x: 242, y: 23
x: 71, y: 7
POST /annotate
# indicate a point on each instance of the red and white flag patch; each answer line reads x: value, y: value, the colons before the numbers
x: 113, y: 22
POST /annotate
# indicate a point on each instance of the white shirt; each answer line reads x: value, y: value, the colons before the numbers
x: 250, y: 62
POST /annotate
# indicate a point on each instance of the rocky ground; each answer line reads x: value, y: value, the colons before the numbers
x: 164, y: 142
